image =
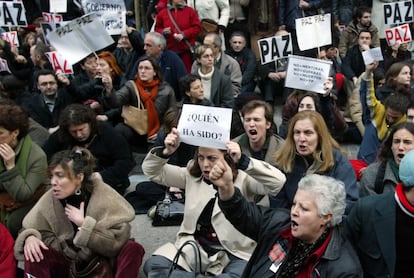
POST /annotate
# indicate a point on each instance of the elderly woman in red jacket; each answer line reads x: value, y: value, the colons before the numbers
x: 180, y: 25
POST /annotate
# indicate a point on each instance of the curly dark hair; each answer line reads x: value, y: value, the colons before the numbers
x: 13, y: 117
x: 385, y: 152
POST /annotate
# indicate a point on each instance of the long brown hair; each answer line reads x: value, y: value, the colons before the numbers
x: 285, y: 156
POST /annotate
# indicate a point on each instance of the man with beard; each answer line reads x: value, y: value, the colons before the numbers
x: 78, y: 127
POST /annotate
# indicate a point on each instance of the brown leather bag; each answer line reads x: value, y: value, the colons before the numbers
x: 9, y: 204
x: 98, y: 267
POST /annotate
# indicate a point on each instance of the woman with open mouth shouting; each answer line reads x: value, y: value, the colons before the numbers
x: 382, y: 176
x: 309, y: 148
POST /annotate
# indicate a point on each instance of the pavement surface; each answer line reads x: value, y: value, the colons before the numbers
x: 153, y: 237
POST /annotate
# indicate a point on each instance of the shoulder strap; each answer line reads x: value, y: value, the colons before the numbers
x: 178, y: 28
x: 379, y: 179
x: 140, y: 105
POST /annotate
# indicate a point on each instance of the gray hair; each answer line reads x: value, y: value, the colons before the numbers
x: 216, y: 40
x: 158, y: 39
x: 329, y: 195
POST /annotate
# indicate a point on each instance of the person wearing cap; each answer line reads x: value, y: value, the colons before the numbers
x: 381, y: 227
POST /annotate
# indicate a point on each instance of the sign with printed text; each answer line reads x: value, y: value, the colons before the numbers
x: 12, y: 14
x: 58, y: 6
x: 11, y: 38
x: 59, y: 63
x: 79, y: 38
x: 112, y: 13
x: 398, y: 12
x: 313, y: 31
x: 4, y: 66
x: 205, y: 126
x: 371, y: 55
x: 307, y: 74
x: 275, y: 47
x: 52, y: 17
x: 399, y: 34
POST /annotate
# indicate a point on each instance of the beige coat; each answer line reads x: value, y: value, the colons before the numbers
x: 260, y: 178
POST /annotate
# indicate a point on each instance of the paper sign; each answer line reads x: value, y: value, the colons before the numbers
x: 12, y: 14
x: 205, y: 126
x: 313, y: 31
x: 59, y: 63
x: 307, y: 74
x: 111, y: 12
x: 399, y: 34
x: 272, y: 48
x: 371, y: 55
x: 51, y: 18
x: 4, y: 66
x: 79, y: 38
x: 11, y: 38
x: 398, y: 12
x: 57, y: 6
x: 48, y: 27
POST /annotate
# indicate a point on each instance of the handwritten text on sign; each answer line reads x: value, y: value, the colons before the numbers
x: 307, y: 73
x: 313, y: 31
x: 59, y: 63
x: 274, y: 47
x: 112, y: 13
x: 399, y: 34
x: 205, y: 126
x: 398, y: 12
x: 11, y: 37
x: 12, y: 14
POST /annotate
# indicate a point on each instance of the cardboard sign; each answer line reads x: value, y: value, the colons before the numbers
x: 52, y: 18
x: 313, y: 31
x: 11, y: 38
x: 79, y: 38
x: 59, y: 63
x: 4, y: 66
x: 58, y: 6
x: 12, y: 14
x: 399, y: 34
x: 371, y: 55
x: 205, y: 126
x: 272, y: 48
x: 48, y: 27
x: 307, y: 74
x: 398, y: 12
x: 111, y: 12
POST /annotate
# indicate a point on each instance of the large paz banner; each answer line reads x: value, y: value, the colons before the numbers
x: 205, y: 126
x: 12, y: 13
x: 79, y: 38
x: 112, y: 13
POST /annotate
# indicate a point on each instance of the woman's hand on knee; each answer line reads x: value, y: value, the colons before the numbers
x: 33, y: 249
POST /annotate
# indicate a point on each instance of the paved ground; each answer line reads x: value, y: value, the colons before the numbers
x: 153, y: 237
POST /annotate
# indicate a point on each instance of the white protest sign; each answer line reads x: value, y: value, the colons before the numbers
x: 205, y: 126
x: 11, y: 38
x: 48, y: 27
x: 12, y: 14
x: 4, y: 66
x: 272, y: 48
x: 313, y: 31
x: 398, y: 12
x: 58, y: 6
x: 59, y: 63
x: 79, y: 38
x: 399, y: 34
x: 307, y: 73
x: 111, y: 12
x: 371, y: 55
x: 51, y: 18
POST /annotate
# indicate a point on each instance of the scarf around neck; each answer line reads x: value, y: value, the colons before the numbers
x: 148, y: 91
x: 402, y: 201
x: 22, y: 156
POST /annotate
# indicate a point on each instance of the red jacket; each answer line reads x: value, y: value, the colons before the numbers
x: 7, y: 261
x: 188, y: 21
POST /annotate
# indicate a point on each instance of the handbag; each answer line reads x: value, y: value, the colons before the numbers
x: 208, y: 25
x: 136, y: 117
x: 98, y: 267
x: 168, y: 212
x: 190, y: 47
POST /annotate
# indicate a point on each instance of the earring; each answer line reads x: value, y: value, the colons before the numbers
x: 78, y: 192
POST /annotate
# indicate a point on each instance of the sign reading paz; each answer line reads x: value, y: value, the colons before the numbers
x: 307, y: 73
x: 205, y: 126
x: 399, y: 34
x: 59, y: 63
x: 272, y: 48
x: 313, y: 31
x: 398, y: 12
x: 11, y: 37
x: 12, y: 13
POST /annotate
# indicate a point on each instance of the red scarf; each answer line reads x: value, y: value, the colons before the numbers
x: 402, y: 201
x: 148, y: 92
